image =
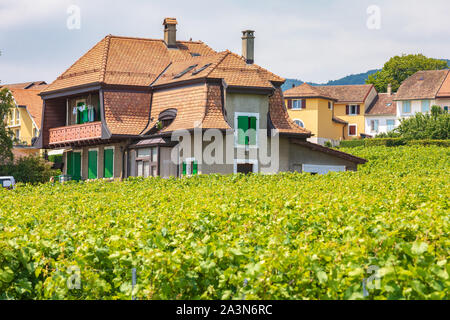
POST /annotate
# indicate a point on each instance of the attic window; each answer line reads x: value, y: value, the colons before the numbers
x: 194, y: 54
x: 200, y: 69
x: 167, y: 116
x: 182, y: 73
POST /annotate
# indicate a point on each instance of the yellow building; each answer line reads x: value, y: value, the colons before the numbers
x: 347, y: 111
x: 24, y: 120
x: 312, y: 108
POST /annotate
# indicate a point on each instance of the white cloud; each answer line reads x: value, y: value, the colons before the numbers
x: 311, y: 40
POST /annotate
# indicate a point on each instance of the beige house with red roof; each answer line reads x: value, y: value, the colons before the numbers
x: 421, y: 91
x: 332, y: 113
x: 24, y: 120
x: 150, y: 107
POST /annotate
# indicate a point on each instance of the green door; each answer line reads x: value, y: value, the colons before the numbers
x: 74, y: 165
x: 92, y: 164
x: 108, y: 163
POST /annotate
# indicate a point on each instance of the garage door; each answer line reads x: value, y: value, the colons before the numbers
x: 321, y: 169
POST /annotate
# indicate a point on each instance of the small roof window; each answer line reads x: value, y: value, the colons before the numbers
x: 200, y: 69
x: 182, y: 73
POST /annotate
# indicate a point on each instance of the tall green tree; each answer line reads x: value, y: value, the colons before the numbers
x: 398, y: 68
x: 6, y: 143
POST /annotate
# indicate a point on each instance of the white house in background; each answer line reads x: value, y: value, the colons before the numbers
x: 381, y: 116
x: 421, y: 91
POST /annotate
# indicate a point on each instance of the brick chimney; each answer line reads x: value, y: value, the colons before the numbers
x: 389, y: 89
x: 170, y: 32
x: 248, y: 46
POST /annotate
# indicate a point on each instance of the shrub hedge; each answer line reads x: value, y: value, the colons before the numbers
x: 392, y: 142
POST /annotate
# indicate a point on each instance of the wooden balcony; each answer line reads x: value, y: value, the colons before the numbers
x: 91, y: 131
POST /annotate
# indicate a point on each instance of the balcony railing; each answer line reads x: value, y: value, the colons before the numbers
x: 79, y: 132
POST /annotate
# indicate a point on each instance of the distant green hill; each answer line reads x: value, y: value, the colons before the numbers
x: 359, y: 78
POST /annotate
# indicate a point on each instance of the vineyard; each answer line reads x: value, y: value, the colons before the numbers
x: 286, y: 236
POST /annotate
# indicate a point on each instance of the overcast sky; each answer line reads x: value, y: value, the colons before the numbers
x: 315, y: 41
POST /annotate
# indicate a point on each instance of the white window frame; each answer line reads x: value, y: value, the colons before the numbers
x: 372, y: 127
x: 17, y: 136
x: 114, y: 161
x: 421, y: 106
x: 356, y: 130
x: 236, y: 129
x: 387, y: 125
x: 189, y: 163
x: 350, y: 109
x: 254, y: 162
x: 299, y: 101
x: 330, y: 105
x: 301, y: 122
x: 403, y: 107
x: 98, y: 160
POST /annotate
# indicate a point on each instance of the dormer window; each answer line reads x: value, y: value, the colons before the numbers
x: 166, y: 117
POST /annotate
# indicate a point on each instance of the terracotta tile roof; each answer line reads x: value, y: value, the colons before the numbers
x: 348, y: 93
x: 280, y: 118
x: 125, y: 61
x: 339, y: 120
x: 383, y: 104
x: 126, y: 113
x: 306, y: 90
x: 213, y: 115
x: 189, y: 101
x: 422, y: 85
x: 444, y: 91
x: 31, y: 99
x: 193, y: 68
x: 224, y: 65
x: 236, y: 72
x: 26, y: 85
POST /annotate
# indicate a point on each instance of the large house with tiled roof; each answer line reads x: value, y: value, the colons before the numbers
x: 146, y: 107
x: 24, y: 120
x: 341, y: 110
x: 421, y: 91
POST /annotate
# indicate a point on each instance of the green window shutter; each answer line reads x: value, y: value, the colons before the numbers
x: 252, y: 134
x: 195, y: 167
x: 69, y: 160
x: 184, y: 168
x: 92, y: 164
x: 108, y: 162
x: 242, y: 130
x: 76, y: 165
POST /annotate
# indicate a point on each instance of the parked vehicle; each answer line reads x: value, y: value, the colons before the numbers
x: 7, y: 182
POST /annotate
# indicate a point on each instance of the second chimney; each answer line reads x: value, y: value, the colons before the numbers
x: 170, y: 32
x: 248, y: 46
x: 389, y: 89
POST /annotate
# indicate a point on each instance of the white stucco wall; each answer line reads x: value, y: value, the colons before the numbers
x: 416, y: 106
x: 382, y: 124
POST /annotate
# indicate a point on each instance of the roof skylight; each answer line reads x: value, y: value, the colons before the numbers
x: 182, y: 73
x: 200, y: 69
